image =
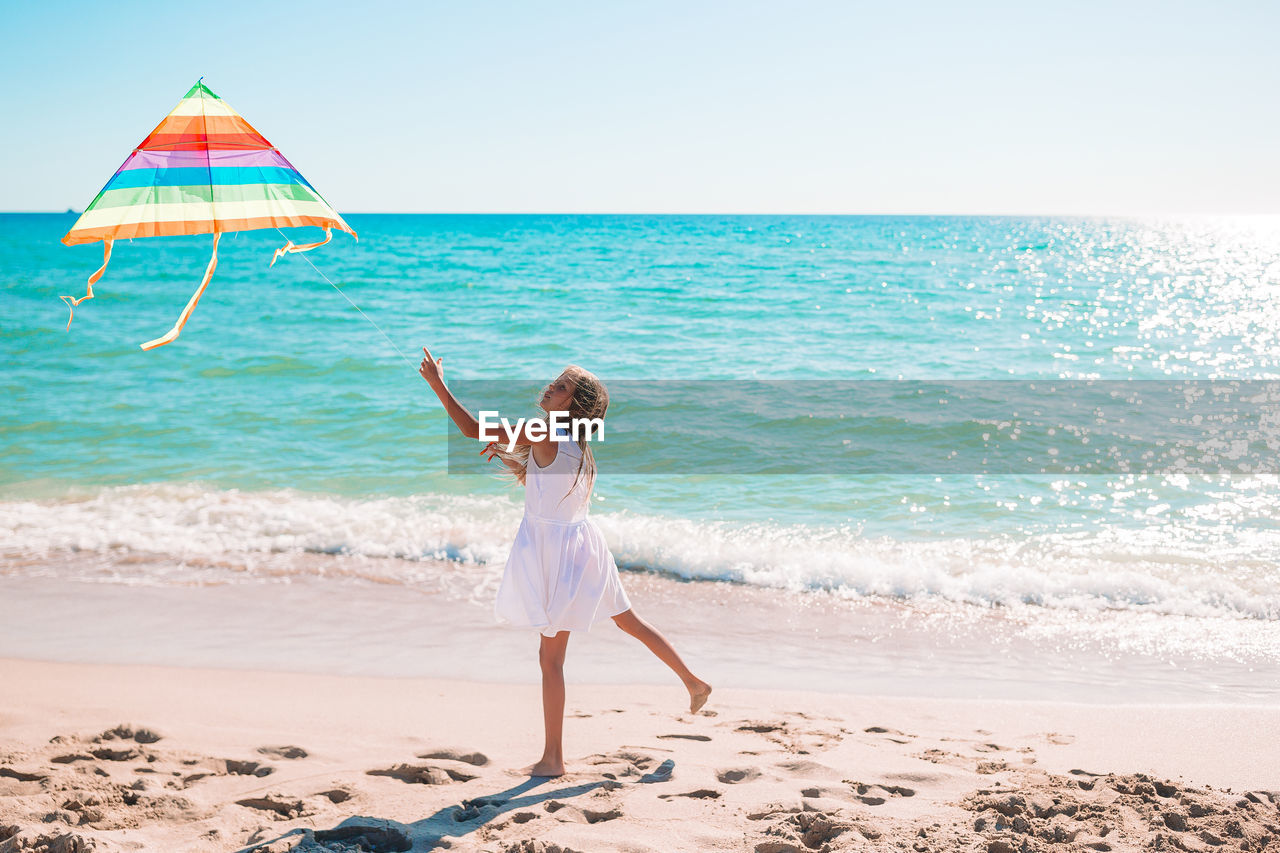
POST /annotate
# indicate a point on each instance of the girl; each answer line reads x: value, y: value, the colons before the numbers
x: 560, y: 576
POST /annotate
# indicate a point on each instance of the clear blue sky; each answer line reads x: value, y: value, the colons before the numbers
x: 655, y: 106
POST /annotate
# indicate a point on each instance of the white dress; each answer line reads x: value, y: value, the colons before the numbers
x: 560, y: 575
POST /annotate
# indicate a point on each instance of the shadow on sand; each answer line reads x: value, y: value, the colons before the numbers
x: 363, y: 834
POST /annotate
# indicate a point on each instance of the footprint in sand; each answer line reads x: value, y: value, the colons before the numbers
x: 247, y: 768
x: 797, y: 740
x: 475, y: 759
x: 108, y: 754
x: 894, y: 735
x: 124, y: 732
x: 479, y: 810
x: 761, y: 728
x: 284, y: 808
x: 877, y: 795
x: 627, y: 764
x: 372, y: 838
x: 601, y: 815
x: 213, y: 767
x: 291, y: 753
x: 188, y: 781
x: 424, y: 774
x: 806, y: 769
x: 968, y: 762
x: 335, y: 796
x: 511, y: 820
x: 769, y: 810
x: 480, y: 802
x: 566, y: 813
x: 105, y: 753
x: 700, y: 794
x: 825, y: 798
x: 1087, y: 783
x: 737, y: 775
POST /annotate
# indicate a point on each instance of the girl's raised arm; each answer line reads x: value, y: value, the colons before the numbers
x: 432, y: 370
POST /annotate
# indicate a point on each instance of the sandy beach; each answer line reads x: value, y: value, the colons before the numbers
x: 930, y: 359
x: 108, y: 757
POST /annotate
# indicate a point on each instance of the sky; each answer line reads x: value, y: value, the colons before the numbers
x: 1118, y: 107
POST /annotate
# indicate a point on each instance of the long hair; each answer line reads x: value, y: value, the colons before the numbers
x: 590, y: 400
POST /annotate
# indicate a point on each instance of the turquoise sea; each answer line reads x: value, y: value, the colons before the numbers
x: 282, y: 429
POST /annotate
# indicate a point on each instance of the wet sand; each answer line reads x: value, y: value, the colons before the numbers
x: 340, y: 616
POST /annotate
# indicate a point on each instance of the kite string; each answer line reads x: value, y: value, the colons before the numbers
x: 353, y: 305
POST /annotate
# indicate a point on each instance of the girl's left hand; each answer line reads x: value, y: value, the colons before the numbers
x: 431, y: 369
x: 490, y: 453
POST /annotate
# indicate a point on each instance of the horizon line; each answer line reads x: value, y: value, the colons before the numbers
x: 1131, y: 214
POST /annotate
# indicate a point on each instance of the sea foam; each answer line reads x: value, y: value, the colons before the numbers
x: 177, y: 533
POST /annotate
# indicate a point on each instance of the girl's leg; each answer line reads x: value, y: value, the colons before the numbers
x: 698, y: 689
x: 551, y: 658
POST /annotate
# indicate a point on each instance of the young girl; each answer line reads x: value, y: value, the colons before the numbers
x: 560, y: 576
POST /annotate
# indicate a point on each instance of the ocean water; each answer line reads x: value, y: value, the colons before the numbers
x: 283, y: 435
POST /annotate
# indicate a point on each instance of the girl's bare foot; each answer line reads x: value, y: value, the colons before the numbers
x: 546, y: 768
x: 698, y: 693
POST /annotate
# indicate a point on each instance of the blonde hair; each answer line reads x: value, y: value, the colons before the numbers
x: 590, y: 400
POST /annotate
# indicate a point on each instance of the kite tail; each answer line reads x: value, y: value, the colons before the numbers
x: 289, y: 246
x: 93, y: 279
x: 172, y: 334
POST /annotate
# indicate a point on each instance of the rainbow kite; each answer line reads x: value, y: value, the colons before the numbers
x: 203, y: 170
